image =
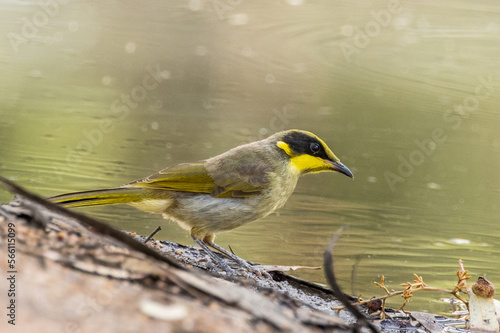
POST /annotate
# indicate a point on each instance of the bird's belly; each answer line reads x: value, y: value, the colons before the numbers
x: 216, y: 214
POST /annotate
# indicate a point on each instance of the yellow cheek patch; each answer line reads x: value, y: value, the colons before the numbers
x: 285, y: 147
x: 308, y: 163
x: 304, y: 163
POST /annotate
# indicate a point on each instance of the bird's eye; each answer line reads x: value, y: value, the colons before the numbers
x: 314, y: 147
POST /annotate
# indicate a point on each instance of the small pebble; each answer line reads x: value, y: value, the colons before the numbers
x: 483, y: 288
x: 374, y: 305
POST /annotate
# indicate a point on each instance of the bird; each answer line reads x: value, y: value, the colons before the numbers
x: 221, y: 193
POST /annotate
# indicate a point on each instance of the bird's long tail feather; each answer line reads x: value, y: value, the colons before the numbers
x: 100, y: 197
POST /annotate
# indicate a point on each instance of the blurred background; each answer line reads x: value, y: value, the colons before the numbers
x: 406, y: 94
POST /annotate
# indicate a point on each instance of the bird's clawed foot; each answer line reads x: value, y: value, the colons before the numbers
x: 257, y: 269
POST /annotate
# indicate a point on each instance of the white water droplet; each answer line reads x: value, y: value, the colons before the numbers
x: 433, y: 186
x: 269, y: 78
x: 460, y: 241
x: 130, y: 47
x: 106, y: 80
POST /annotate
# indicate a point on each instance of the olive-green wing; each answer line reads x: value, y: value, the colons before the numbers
x: 245, y: 174
x: 186, y: 177
x: 194, y: 177
x: 240, y: 182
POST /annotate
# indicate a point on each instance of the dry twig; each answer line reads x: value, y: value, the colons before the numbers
x: 330, y: 277
x: 418, y: 284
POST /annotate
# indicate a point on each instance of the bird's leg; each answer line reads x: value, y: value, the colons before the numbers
x: 237, y: 259
x: 208, y: 240
x: 218, y: 260
x: 230, y: 255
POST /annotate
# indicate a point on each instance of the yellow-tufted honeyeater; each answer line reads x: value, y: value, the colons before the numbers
x: 224, y: 192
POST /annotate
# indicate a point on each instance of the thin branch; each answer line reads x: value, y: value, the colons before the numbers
x: 330, y: 277
x: 418, y: 285
x: 158, y: 228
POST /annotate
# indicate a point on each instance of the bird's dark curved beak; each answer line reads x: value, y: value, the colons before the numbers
x: 339, y: 167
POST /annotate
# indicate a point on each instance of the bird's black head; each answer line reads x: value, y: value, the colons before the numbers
x: 308, y: 153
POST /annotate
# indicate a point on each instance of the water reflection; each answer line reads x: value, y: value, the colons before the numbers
x: 97, y: 94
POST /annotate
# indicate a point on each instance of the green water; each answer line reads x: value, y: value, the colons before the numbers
x: 406, y: 94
